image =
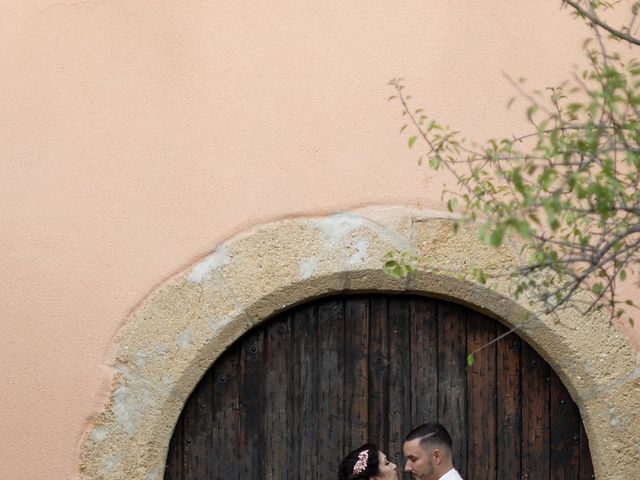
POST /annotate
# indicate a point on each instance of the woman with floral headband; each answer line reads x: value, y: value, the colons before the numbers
x: 367, y: 463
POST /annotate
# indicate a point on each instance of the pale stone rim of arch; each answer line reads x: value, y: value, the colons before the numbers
x: 172, y: 339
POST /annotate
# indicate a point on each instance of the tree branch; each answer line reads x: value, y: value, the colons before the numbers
x: 596, y: 21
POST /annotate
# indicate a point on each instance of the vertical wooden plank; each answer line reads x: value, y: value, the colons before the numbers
x: 586, y: 465
x: 564, y: 421
x: 452, y: 379
x: 355, y: 370
x: 197, y: 432
x: 535, y: 415
x: 481, y: 389
x: 424, y: 360
x: 509, y: 406
x: 173, y: 466
x: 251, y: 405
x: 277, y: 395
x: 305, y: 379
x: 226, y: 419
x: 379, y: 372
x: 399, y: 376
x: 331, y: 416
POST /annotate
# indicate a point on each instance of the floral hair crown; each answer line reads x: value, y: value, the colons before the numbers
x: 361, y: 464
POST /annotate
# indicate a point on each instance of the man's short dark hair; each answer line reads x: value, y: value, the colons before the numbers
x: 431, y: 434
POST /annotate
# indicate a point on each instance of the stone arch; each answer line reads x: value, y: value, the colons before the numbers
x: 181, y: 329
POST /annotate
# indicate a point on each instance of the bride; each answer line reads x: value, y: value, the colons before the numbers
x: 367, y: 463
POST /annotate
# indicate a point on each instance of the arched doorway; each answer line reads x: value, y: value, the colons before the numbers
x: 294, y: 394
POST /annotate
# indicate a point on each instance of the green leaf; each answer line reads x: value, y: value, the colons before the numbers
x: 471, y: 359
x: 434, y: 163
x: 597, y: 288
x: 412, y: 140
x: 495, y: 239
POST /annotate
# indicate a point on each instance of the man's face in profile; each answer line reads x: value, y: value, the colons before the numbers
x: 419, y: 461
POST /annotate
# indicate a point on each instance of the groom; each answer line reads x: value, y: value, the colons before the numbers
x: 428, y: 452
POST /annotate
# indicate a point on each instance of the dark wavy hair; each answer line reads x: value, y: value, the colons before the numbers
x: 345, y: 470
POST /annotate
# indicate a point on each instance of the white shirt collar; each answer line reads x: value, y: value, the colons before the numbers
x: 451, y: 475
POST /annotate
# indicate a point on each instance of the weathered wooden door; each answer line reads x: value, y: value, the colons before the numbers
x: 295, y: 394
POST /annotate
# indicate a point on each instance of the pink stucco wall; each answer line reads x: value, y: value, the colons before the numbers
x: 136, y: 135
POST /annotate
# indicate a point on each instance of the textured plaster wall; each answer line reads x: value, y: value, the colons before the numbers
x: 136, y: 136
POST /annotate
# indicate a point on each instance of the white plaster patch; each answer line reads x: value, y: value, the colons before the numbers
x: 131, y: 402
x: 338, y: 226
x: 98, y: 434
x: 215, y: 323
x: 185, y: 340
x: 153, y: 475
x: 141, y: 358
x: 109, y: 464
x: 219, y: 258
x: 161, y: 349
x: 615, y: 421
x: 308, y: 267
x: 125, y: 409
x: 167, y: 379
x: 359, y: 257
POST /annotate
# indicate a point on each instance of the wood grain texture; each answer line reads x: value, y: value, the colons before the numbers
x: 305, y: 388
x: 508, y: 405
x: 278, y: 397
x: 197, y: 434
x: 331, y: 413
x: 452, y: 379
x: 586, y: 465
x: 481, y: 398
x: 252, y: 401
x: 356, y: 370
x: 536, y: 381
x: 291, y: 397
x: 399, y: 376
x: 564, y: 431
x: 379, y: 372
x: 424, y: 360
x: 226, y: 419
